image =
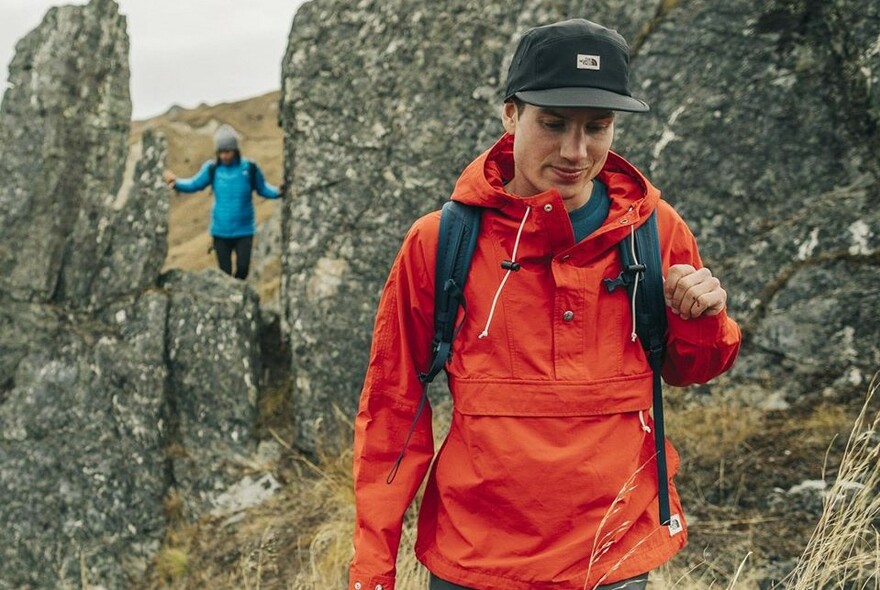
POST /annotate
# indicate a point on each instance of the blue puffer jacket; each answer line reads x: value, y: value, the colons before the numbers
x: 232, y: 215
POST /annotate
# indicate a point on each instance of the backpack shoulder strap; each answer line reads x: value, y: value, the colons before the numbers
x: 252, y: 174
x: 650, y: 304
x: 642, y: 276
x: 457, y: 240
x: 459, y: 227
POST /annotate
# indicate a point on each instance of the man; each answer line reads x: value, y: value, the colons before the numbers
x: 548, y: 476
x: 233, y: 179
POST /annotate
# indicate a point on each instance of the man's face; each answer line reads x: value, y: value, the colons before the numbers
x: 226, y: 156
x: 561, y: 148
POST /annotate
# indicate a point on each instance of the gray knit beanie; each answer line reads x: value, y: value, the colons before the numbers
x: 225, y: 139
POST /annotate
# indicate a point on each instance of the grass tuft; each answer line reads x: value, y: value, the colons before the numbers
x: 844, y: 550
x: 172, y: 564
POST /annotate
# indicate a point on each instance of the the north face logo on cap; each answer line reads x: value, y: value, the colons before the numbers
x: 588, y: 62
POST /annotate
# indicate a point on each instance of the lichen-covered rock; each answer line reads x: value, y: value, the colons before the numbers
x: 134, y: 245
x: 763, y: 133
x: 63, y: 132
x: 113, y: 391
x: 81, y: 446
x: 214, y: 363
x: 769, y: 149
x: 383, y: 104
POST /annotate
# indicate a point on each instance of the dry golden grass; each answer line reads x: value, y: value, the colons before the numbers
x: 172, y: 563
x: 844, y: 551
x: 302, y: 539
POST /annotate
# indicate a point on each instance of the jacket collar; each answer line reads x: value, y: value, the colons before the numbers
x: 482, y: 182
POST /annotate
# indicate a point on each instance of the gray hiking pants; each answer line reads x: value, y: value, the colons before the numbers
x: 637, y: 583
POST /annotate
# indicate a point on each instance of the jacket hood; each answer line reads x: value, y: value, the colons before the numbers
x: 482, y: 184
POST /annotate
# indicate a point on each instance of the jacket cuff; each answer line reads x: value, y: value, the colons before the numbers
x: 358, y: 580
x: 701, y: 330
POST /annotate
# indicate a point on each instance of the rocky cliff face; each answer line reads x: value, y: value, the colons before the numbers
x: 382, y: 108
x: 82, y: 54
x: 769, y: 148
x: 763, y: 133
x: 120, y: 390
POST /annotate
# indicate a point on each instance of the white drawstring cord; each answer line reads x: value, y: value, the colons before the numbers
x: 645, y: 426
x: 632, y: 245
x: 522, y: 224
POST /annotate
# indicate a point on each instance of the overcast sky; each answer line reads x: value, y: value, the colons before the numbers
x: 183, y: 52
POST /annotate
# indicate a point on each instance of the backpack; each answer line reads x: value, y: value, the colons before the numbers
x: 252, y: 173
x: 459, y: 227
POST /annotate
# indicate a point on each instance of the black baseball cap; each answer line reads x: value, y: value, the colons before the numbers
x: 573, y: 63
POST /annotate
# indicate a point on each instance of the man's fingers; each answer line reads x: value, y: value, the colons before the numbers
x: 673, y: 276
x: 710, y: 304
x: 699, y: 297
x: 691, y: 293
x: 677, y: 294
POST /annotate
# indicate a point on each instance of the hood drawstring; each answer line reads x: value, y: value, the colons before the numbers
x: 635, y: 289
x: 645, y: 426
x: 511, y: 266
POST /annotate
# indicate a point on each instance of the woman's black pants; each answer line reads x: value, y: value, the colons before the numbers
x: 224, y: 247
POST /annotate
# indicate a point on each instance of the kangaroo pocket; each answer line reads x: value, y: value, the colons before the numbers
x: 546, y: 398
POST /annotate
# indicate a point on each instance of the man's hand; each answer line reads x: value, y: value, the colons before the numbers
x: 691, y: 293
x: 170, y: 178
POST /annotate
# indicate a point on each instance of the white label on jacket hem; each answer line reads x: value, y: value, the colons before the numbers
x: 675, y: 525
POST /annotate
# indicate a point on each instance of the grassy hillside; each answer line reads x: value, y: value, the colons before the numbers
x: 190, y: 135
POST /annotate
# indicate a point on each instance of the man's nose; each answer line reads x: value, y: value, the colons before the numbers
x: 574, y: 146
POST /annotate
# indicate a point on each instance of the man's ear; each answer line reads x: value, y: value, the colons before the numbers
x: 509, y: 115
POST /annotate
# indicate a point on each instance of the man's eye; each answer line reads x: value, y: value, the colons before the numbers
x: 597, y: 128
x: 554, y: 125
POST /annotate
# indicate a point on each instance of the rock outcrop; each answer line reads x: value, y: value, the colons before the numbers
x: 82, y: 467
x: 214, y: 371
x: 763, y: 133
x: 771, y: 150
x: 123, y: 394
x: 383, y: 105
x: 62, y: 163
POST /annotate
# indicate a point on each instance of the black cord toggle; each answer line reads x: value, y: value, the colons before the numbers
x: 628, y: 276
x: 510, y: 265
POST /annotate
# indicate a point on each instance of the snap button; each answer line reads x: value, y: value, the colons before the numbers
x: 624, y: 221
x: 358, y: 586
x: 568, y: 316
x: 548, y: 207
x: 378, y: 586
x: 566, y: 257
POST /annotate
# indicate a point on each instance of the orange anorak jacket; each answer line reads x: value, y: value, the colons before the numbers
x: 547, y: 478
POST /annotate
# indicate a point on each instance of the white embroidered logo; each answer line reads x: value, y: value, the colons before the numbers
x: 588, y: 62
x: 675, y: 526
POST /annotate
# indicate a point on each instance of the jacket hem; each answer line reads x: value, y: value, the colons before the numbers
x: 232, y: 236
x: 649, y: 558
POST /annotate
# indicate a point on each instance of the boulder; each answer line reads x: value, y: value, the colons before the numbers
x: 119, y: 390
x: 81, y: 445
x: 769, y: 149
x: 383, y: 104
x: 214, y: 367
x: 762, y: 133
x: 63, y: 131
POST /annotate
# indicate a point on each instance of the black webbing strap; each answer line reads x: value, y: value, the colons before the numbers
x: 457, y: 240
x: 645, y: 274
x: 459, y: 227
